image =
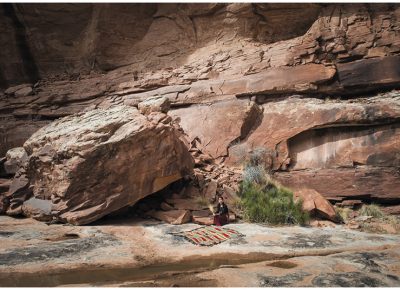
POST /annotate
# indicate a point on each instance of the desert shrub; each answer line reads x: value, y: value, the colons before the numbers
x: 237, y: 207
x: 393, y: 220
x: 260, y: 156
x: 254, y: 174
x: 371, y: 210
x: 373, y: 228
x: 270, y: 203
x: 239, y: 152
x: 343, y: 213
x: 202, y: 201
x: 263, y: 200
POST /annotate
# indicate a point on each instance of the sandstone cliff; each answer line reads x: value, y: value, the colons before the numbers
x: 313, y: 83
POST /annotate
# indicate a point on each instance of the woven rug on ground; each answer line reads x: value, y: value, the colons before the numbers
x: 209, y: 235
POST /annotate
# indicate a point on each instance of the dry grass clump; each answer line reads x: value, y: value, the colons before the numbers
x: 371, y: 210
x: 202, y: 201
x: 343, y: 213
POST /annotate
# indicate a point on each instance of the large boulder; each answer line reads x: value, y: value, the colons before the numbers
x: 94, y: 163
x: 315, y: 204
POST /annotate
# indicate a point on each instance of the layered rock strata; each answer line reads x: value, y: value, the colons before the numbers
x: 314, y: 84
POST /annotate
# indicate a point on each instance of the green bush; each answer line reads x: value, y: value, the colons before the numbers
x: 371, y: 210
x: 267, y: 202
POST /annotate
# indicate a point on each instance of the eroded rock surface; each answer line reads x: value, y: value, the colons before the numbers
x: 35, y: 254
x: 16, y: 158
x: 308, y: 82
x: 315, y: 204
x: 97, y: 162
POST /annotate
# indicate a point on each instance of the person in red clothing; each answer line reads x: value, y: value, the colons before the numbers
x: 221, y: 216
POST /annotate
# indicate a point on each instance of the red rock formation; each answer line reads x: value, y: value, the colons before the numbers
x: 315, y: 204
x: 95, y: 163
x: 218, y: 125
x: 305, y: 81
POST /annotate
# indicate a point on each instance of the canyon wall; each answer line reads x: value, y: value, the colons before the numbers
x: 315, y: 84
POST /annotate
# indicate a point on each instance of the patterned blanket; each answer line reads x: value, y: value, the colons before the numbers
x: 209, y: 235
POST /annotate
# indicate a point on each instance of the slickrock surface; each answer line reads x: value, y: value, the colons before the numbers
x: 136, y: 251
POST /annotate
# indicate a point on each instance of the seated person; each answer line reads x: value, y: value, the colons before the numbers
x: 221, y: 216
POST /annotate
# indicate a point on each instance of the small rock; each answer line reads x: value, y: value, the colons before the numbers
x: 353, y: 214
x: 16, y: 157
x: 24, y: 92
x: 207, y: 221
x: 154, y: 104
x: 363, y: 218
x: 394, y: 209
x: 319, y: 223
x: 38, y: 209
x: 12, y: 90
x: 175, y: 217
x: 353, y: 225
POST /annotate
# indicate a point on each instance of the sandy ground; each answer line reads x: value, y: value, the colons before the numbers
x: 144, y: 253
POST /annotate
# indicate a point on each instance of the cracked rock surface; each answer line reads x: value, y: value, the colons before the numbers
x: 138, y: 251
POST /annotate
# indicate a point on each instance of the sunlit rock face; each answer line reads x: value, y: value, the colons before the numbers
x: 315, y: 84
x: 94, y: 163
x: 345, y: 147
